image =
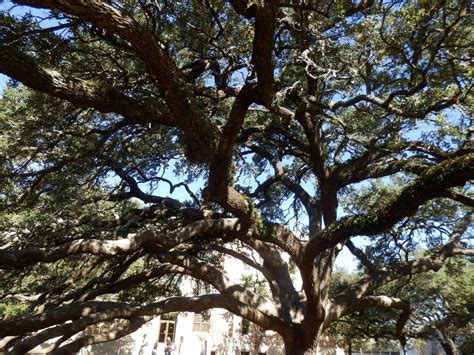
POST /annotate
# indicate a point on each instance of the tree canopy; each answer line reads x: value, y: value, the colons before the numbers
x: 441, y: 304
x: 443, y: 307
x: 292, y: 129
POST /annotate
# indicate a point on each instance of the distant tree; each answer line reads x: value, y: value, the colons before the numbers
x: 348, y: 332
x: 441, y: 305
x: 306, y: 123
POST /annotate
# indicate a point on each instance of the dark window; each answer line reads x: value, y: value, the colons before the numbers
x: 245, y: 326
x: 262, y: 353
x: 245, y: 353
x: 166, y: 330
x: 213, y: 353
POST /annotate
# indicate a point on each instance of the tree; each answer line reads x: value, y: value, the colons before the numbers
x: 349, y: 332
x: 443, y: 309
x: 441, y: 304
x: 308, y: 123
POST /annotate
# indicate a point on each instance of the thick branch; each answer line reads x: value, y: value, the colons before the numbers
x: 388, y: 302
x: 359, y: 254
x: 83, y: 93
x: 447, y: 174
x: 208, y: 273
x: 74, y: 346
x: 219, y: 187
x: 263, y: 43
x: 273, y: 261
x: 346, y: 302
x: 148, y: 240
x: 88, y: 313
x: 167, y: 75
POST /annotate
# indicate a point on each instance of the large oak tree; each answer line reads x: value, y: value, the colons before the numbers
x: 309, y: 125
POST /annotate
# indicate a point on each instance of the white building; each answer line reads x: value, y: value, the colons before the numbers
x: 216, y: 332
x: 219, y: 333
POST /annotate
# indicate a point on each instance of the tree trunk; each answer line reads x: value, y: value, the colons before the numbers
x: 298, y: 346
x: 295, y: 351
x: 448, y: 346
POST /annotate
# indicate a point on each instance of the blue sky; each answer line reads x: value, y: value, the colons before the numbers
x: 3, y: 81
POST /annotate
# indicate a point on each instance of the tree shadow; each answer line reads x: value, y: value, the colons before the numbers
x: 255, y: 341
x: 122, y: 346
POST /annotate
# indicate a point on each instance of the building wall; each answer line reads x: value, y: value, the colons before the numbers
x: 224, y: 336
x: 138, y: 343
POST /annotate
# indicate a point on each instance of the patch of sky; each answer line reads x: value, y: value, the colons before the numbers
x: 346, y: 260
x: 19, y: 10
x: 239, y: 77
x: 3, y: 81
x: 41, y: 16
x: 171, y: 173
x: 436, y: 128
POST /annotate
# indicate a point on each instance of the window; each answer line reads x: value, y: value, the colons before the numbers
x: 262, y: 353
x: 166, y: 330
x: 245, y: 353
x: 201, y: 322
x: 213, y: 352
x: 245, y: 326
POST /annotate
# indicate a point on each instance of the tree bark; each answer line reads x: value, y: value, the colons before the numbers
x: 448, y: 345
x: 296, y: 348
x: 303, y: 342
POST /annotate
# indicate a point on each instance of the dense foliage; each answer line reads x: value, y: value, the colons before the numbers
x: 292, y: 130
x: 442, y: 311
